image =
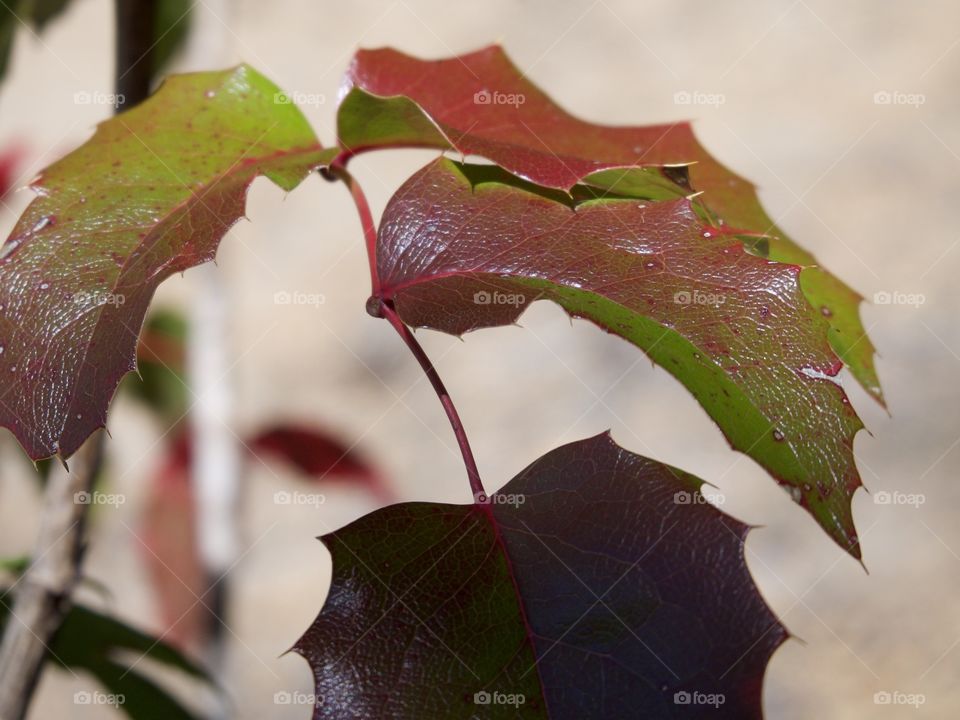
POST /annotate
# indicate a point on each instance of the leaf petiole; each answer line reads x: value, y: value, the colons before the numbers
x: 473, y: 474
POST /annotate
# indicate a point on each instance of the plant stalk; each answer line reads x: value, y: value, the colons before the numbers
x: 378, y: 307
x: 473, y: 474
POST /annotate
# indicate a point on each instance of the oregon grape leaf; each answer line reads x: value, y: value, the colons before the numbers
x: 480, y: 103
x: 597, y: 583
x: 150, y: 194
x: 463, y: 247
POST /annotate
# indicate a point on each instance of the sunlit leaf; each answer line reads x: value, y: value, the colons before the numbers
x: 461, y: 248
x: 482, y: 104
x: 149, y: 195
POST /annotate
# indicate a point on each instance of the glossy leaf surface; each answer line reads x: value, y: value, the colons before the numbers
x: 464, y: 247
x: 149, y: 195
x: 480, y: 103
x: 595, y: 584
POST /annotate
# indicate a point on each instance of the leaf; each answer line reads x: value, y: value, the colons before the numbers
x: 150, y: 195
x: 161, y: 354
x: 461, y: 249
x: 319, y: 455
x: 172, y: 22
x: 93, y: 642
x: 170, y: 553
x: 31, y: 14
x: 11, y: 158
x: 482, y: 104
x: 171, y: 25
x: 168, y: 526
x: 596, y: 584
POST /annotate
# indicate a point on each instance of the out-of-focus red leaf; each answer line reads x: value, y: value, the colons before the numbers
x: 318, y: 455
x: 168, y: 528
x: 11, y: 159
x: 169, y: 536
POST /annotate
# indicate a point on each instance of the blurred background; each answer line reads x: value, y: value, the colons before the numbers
x: 846, y: 116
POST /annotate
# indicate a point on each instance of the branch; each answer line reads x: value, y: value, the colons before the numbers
x: 43, y: 592
x: 134, y: 21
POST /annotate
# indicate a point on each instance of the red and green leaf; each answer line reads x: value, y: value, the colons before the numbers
x: 482, y: 104
x: 149, y: 195
x: 597, y: 583
x: 463, y: 247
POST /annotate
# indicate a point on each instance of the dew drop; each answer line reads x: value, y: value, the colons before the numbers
x: 10, y: 247
x: 44, y: 286
x: 825, y: 311
x: 778, y: 436
x: 210, y: 94
x: 706, y: 234
x: 1, y: 349
x: 42, y: 223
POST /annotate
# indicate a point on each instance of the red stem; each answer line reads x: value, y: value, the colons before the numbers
x: 337, y: 170
x: 473, y: 474
x: 378, y: 307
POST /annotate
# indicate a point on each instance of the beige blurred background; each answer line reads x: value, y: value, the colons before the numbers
x: 871, y: 188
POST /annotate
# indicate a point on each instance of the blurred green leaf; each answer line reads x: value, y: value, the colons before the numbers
x: 95, y: 643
